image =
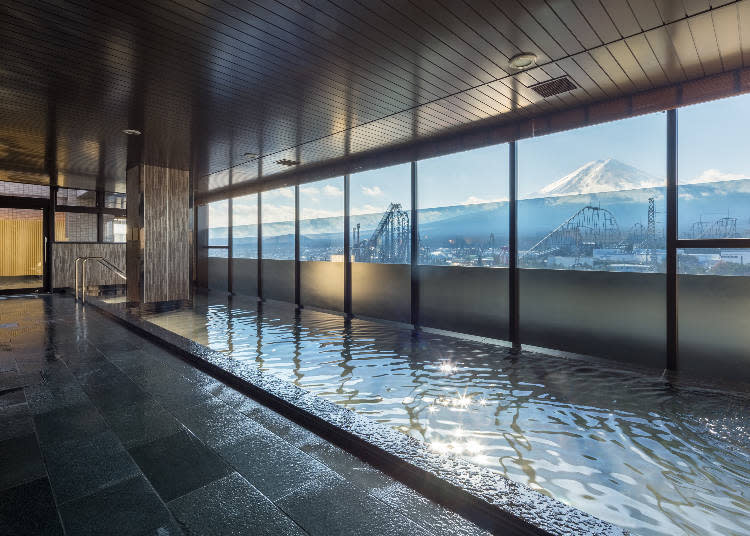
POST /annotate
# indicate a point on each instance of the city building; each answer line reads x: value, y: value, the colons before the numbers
x: 366, y: 267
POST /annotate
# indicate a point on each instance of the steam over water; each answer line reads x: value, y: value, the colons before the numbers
x: 626, y: 447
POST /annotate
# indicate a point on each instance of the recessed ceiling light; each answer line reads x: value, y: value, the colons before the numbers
x: 524, y: 60
x: 132, y: 132
x: 287, y: 162
x: 250, y: 155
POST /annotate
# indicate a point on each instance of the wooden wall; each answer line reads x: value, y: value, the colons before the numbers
x: 63, y: 263
x: 167, y: 234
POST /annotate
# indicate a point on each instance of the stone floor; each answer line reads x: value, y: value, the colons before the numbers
x: 103, y: 432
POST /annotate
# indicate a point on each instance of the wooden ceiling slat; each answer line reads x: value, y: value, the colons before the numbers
x: 743, y: 11
x: 641, y: 49
x: 726, y: 22
x: 682, y: 41
x: 515, y: 12
x: 646, y: 13
x: 623, y: 16
x: 664, y: 50
x: 600, y: 20
x: 607, y: 62
x: 630, y: 65
x: 702, y: 29
x: 582, y: 78
x: 669, y: 10
x: 553, y: 25
x: 574, y: 20
x: 695, y: 6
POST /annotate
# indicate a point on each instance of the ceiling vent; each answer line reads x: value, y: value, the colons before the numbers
x: 287, y: 162
x: 554, y: 86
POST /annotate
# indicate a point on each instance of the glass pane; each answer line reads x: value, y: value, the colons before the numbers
x: 21, y: 232
x: 245, y: 227
x: 594, y: 198
x: 322, y: 221
x: 114, y: 200
x: 19, y: 189
x: 76, y: 198
x: 74, y: 227
x: 114, y: 228
x: 714, y: 170
x: 380, y: 205
x: 218, y: 223
x: 322, y: 243
x: 277, y: 212
x: 463, y: 208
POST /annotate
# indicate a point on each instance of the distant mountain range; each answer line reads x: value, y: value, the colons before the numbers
x: 620, y: 188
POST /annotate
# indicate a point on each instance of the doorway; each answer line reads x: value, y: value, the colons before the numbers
x: 23, y: 250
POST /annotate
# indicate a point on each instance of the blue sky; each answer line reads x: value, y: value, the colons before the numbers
x: 712, y: 146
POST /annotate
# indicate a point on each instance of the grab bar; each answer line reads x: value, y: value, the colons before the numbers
x: 101, y: 260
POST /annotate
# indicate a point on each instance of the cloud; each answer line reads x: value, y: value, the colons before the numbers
x: 714, y: 175
x: 332, y: 191
x: 311, y: 191
x: 374, y: 191
x: 314, y: 213
x: 287, y: 193
x: 277, y: 213
x: 367, y: 209
x: 474, y: 200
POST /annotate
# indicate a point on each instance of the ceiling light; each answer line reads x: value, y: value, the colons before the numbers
x: 251, y: 155
x: 287, y: 162
x: 524, y: 60
x: 132, y: 132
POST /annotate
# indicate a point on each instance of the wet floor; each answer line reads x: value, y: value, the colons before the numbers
x: 622, y: 445
x: 103, y: 432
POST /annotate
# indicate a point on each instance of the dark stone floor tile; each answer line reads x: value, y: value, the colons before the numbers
x: 29, y: 509
x: 329, y: 507
x: 178, y: 464
x: 120, y: 344
x: 120, y: 391
x: 80, y: 468
x: 15, y: 421
x: 78, y: 422
x: 11, y: 398
x: 16, y: 380
x: 215, y: 423
x: 43, y: 398
x: 231, y: 506
x: 350, y: 467
x: 233, y: 398
x: 271, y: 464
x: 142, y: 423
x: 176, y: 392
x: 429, y: 515
x: 128, y: 508
x: 20, y: 461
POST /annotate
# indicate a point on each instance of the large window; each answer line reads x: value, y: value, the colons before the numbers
x: 218, y: 229
x: 277, y: 215
x: 463, y: 208
x: 322, y: 221
x: 380, y: 208
x: 245, y: 227
x: 714, y: 184
x: 75, y: 227
x: 594, y: 198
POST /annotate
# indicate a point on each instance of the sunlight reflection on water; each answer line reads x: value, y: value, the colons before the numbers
x: 630, y: 449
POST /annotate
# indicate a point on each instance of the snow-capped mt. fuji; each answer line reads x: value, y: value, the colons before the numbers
x: 601, y: 176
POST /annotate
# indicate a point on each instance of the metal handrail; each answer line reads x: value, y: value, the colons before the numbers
x: 101, y: 260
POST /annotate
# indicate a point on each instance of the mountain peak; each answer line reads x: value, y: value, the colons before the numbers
x: 606, y: 175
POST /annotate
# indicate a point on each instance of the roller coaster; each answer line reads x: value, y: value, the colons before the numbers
x: 588, y: 229
x: 389, y: 242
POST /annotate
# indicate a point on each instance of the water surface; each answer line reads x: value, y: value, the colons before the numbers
x: 625, y: 446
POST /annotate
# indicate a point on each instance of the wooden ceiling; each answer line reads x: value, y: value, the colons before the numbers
x: 316, y: 80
